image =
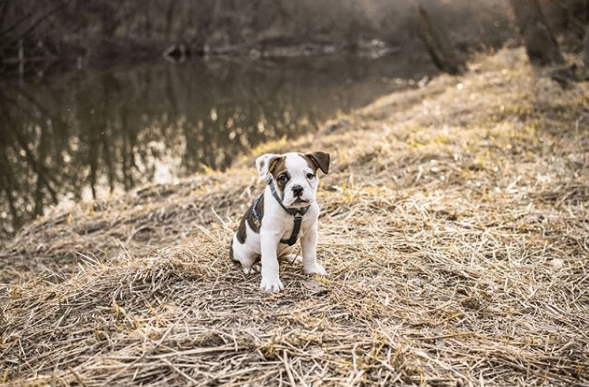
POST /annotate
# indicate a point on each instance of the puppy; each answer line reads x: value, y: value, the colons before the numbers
x: 285, y: 212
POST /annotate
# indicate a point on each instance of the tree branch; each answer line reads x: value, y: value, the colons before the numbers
x: 40, y: 20
x: 17, y: 23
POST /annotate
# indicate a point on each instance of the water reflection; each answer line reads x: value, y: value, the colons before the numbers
x: 89, y: 132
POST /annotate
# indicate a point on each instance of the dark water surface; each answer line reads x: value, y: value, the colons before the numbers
x: 89, y: 133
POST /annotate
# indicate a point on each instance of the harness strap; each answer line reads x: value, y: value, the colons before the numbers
x: 297, y: 213
x: 256, y: 218
x: 293, y: 211
x: 295, y: 232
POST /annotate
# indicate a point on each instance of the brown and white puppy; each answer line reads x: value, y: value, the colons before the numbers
x: 285, y: 212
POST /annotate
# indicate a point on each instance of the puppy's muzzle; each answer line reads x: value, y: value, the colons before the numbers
x: 297, y: 191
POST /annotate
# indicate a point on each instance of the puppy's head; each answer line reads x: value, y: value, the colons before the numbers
x: 295, y: 175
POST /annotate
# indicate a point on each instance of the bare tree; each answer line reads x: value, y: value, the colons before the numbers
x: 586, y: 47
x: 541, y: 46
x: 444, y: 56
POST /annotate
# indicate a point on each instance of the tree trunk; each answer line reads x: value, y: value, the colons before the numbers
x: 541, y: 46
x: 442, y: 53
x: 586, y: 48
x: 170, y: 18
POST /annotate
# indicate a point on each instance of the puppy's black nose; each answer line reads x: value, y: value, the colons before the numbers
x: 297, y: 191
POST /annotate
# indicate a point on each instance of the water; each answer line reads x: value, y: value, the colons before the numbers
x: 89, y: 133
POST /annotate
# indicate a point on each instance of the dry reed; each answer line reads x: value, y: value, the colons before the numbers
x: 454, y: 229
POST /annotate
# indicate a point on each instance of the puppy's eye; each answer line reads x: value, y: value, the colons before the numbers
x: 310, y: 176
x: 282, y: 179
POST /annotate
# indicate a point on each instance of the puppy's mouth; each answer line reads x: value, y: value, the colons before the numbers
x: 298, y: 202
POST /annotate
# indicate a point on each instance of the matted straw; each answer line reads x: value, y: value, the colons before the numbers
x: 454, y: 231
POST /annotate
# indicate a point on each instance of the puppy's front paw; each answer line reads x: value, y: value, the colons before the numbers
x: 273, y: 284
x: 315, y: 269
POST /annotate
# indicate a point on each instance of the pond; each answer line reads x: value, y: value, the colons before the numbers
x: 89, y: 133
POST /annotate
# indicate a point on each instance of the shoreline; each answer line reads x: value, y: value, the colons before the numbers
x: 321, y: 87
x: 109, y: 53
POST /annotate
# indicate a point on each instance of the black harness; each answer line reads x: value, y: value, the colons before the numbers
x: 297, y: 213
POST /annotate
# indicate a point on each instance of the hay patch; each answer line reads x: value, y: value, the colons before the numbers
x: 454, y: 229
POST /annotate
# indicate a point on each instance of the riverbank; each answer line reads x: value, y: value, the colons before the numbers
x: 111, y: 131
x: 454, y: 231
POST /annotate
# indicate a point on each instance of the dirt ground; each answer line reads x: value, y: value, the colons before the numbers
x: 454, y: 229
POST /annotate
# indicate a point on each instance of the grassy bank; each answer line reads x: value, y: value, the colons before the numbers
x: 454, y: 231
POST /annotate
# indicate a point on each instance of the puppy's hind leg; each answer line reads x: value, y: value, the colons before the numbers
x: 248, y: 260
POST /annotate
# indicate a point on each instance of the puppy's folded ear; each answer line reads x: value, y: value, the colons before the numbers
x: 265, y: 162
x: 320, y: 160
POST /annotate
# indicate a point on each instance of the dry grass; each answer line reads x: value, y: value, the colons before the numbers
x: 454, y: 229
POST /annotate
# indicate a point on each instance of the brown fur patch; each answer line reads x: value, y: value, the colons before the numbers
x: 254, y: 223
x: 241, y: 232
x: 318, y: 160
x: 251, y: 220
x: 277, y: 165
x: 276, y: 168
